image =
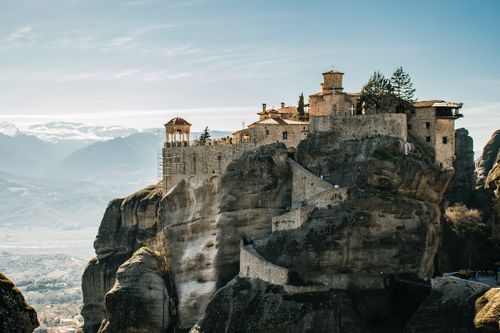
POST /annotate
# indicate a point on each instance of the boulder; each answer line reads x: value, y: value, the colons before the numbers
x: 487, y: 318
x: 16, y: 316
x: 449, y: 307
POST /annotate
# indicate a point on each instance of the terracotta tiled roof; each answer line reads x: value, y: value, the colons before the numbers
x: 426, y: 104
x: 280, y: 121
x: 177, y: 121
x: 436, y: 103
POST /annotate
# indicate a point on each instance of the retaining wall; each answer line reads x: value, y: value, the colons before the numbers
x: 291, y: 220
x: 253, y: 265
x: 358, y: 127
x: 305, y: 184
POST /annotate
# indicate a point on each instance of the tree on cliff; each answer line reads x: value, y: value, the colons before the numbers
x: 378, y: 93
x: 402, y: 87
x: 205, y: 136
x: 301, y: 115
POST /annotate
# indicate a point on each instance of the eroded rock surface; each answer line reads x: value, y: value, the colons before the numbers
x: 139, y: 300
x: 463, y: 182
x: 487, y: 318
x: 127, y: 225
x: 449, y: 307
x: 15, y: 315
x: 197, y: 227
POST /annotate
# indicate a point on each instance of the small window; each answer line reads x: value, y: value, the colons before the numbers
x: 408, y: 126
x: 445, y: 140
x: 427, y: 125
x: 267, y: 131
x: 285, y: 135
x: 412, y: 111
x: 427, y: 139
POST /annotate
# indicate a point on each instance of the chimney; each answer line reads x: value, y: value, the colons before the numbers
x: 263, y: 107
x: 282, y: 105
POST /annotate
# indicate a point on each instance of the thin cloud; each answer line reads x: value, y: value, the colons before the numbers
x: 19, y: 34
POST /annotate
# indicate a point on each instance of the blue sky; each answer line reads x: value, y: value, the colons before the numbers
x: 141, y: 62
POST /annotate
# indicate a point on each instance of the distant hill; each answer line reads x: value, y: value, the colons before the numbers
x: 120, y: 159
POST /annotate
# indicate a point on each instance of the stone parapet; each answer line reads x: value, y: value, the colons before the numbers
x: 358, y: 127
x: 291, y: 220
x: 253, y: 265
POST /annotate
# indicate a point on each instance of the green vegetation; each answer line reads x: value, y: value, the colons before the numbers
x: 205, y: 136
x: 384, y: 95
x: 301, y: 115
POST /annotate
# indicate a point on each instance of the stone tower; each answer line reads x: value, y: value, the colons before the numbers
x: 177, y: 133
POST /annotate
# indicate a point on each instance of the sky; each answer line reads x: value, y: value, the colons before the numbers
x: 139, y: 63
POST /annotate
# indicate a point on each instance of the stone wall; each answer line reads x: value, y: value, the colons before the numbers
x: 196, y: 164
x: 253, y: 265
x: 328, y: 198
x: 336, y: 104
x: 271, y: 133
x: 305, y: 184
x: 291, y: 220
x: 436, y: 132
x: 358, y: 127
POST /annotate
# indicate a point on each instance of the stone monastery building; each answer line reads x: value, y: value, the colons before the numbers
x: 429, y: 122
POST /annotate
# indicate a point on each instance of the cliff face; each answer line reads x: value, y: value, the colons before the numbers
x: 482, y: 197
x: 387, y: 227
x: 463, y: 183
x: 195, y: 229
x: 15, y: 315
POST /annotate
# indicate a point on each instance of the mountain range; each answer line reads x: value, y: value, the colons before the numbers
x: 61, y: 175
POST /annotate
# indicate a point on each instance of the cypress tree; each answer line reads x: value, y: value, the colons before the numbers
x: 300, y: 108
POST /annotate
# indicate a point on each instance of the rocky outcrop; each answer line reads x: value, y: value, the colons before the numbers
x: 127, y: 225
x: 482, y: 196
x: 139, y: 300
x: 487, y: 318
x: 449, y: 307
x: 462, y: 184
x: 493, y: 186
x: 388, y: 226
x: 15, y: 315
x: 198, y: 229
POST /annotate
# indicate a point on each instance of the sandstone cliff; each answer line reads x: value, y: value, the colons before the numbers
x: 386, y: 231
x: 463, y: 183
x: 482, y: 197
x: 15, y: 315
x: 196, y: 229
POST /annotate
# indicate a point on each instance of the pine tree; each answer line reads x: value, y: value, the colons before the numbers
x: 205, y: 136
x: 300, y: 108
x: 402, y: 86
x: 378, y: 92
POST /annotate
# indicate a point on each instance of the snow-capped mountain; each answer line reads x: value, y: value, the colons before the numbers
x: 8, y: 129
x: 63, y: 131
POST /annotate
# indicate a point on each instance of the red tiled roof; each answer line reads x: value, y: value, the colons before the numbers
x: 177, y: 121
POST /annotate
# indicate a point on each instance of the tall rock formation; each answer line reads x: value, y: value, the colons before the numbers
x: 462, y: 184
x: 484, y: 164
x: 197, y: 229
x: 175, y: 250
x: 15, y: 315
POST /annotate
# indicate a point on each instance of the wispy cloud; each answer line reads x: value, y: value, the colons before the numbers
x: 20, y: 37
x: 131, y: 74
x: 19, y: 34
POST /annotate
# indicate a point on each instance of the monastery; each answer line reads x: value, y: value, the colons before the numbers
x: 430, y: 122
